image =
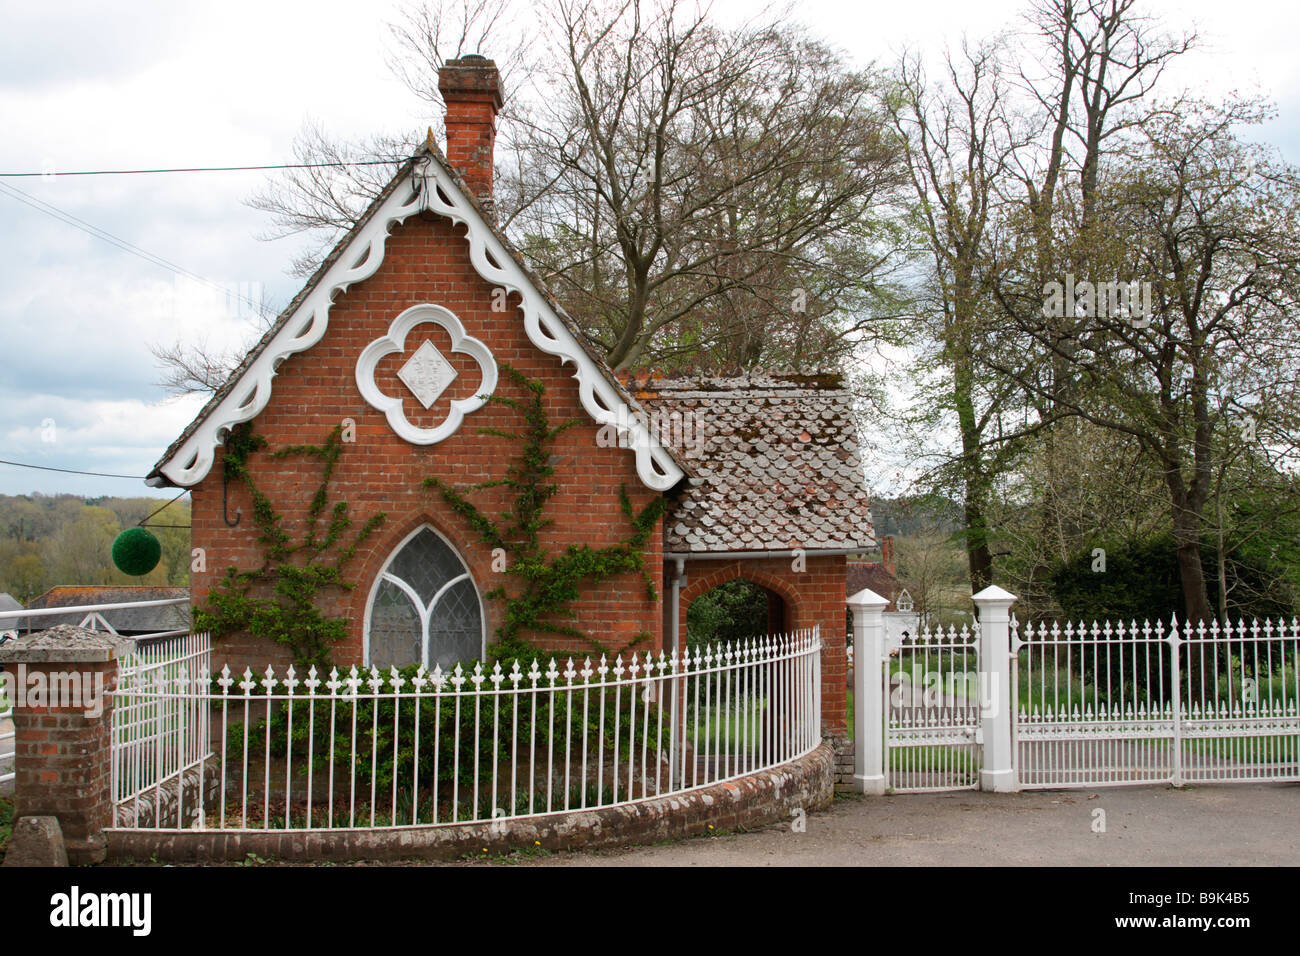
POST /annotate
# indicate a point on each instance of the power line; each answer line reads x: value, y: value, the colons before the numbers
x: 164, y: 508
x: 69, y: 471
x: 202, y: 169
x: 40, y: 205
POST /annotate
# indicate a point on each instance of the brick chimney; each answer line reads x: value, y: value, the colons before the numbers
x: 471, y: 88
x: 887, y: 554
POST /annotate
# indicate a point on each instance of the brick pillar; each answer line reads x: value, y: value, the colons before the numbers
x: 471, y: 90
x: 62, y: 722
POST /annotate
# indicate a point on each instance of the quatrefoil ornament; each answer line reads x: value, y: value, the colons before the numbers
x: 427, y: 373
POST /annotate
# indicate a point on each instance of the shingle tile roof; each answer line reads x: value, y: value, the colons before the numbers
x: 871, y: 575
x: 775, y: 460
x: 126, y: 620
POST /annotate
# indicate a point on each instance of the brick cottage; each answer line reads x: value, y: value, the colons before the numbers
x: 420, y: 311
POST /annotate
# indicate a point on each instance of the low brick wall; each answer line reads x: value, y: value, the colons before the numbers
x: 194, y: 783
x: 770, y: 796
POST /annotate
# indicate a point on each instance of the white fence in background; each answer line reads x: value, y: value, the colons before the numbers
x: 6, y: 738
x: 152, y: 652
x: 1006, y: 707
x: 1115, y: 703
x: 93, y: 616
x: 365, y: 749
x: 158, y: 736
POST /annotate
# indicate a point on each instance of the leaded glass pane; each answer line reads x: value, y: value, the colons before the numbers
x: 426, y: 564
x: 394, y: 628
x: 455, y: 627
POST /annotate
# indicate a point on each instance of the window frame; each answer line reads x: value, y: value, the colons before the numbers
x: 424, y: 613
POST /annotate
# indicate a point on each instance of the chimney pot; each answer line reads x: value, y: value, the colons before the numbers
x: 471, y: 89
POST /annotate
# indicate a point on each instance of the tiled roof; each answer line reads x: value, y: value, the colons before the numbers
x: 127, y: 620
x: 775, y: 463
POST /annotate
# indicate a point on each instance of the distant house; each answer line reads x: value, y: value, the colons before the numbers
x: 882, y: 578
x: 878, y: 576
x: 127, y: 621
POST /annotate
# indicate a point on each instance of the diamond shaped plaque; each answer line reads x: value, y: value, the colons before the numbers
x: 427, y: 374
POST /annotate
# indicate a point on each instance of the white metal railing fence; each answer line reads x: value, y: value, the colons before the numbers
x: 149, y: 647
x: 1115, y: 703
x: 932, y: 692
x: 93, y: 615
x: 365, y: 749
x: 7, y: 742
x: 157, y: 735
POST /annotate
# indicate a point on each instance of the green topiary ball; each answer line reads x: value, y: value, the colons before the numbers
x: 136, y: 551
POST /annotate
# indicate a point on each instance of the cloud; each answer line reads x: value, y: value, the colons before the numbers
x: 41, y: 43
x: 115, y: 436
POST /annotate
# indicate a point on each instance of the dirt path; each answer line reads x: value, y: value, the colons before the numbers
x: 1247, y: 824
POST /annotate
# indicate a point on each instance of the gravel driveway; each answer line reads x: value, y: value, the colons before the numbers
x: 1243, y: 824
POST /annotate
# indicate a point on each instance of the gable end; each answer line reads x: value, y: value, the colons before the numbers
x: 425, y: 184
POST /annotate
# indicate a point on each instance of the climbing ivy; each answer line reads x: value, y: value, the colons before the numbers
x: 293, y: 573
x: 547, y: 583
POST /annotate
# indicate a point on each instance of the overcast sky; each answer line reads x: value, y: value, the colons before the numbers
x: 99, y: 86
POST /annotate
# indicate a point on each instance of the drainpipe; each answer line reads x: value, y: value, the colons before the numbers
x: 679, y: 579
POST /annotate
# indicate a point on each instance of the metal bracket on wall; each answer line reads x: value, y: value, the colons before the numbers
x: 225, y: 506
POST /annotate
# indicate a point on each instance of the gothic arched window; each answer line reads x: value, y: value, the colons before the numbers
x: 424, y: 607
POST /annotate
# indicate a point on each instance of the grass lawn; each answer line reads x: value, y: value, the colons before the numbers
x: 721, y: 728
x: 1279, y: 749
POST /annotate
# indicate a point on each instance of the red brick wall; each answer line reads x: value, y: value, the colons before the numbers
x: 813, y: 596
x: 426, y: 261
x: 62, y: 760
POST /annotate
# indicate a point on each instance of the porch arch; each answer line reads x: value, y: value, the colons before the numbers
x: 704, y: 576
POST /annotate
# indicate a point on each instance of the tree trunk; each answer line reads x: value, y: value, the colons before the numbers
x: 1196, y: 602
x: 978, y: 555
x: 974, y: 480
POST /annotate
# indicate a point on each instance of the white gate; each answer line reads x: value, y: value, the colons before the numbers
x: 932, y: 731
x: 1115, y: 704
x: 1004, y: 707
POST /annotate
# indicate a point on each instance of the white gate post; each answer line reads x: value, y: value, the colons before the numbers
x: 996, y: 712
x: 868, y: 691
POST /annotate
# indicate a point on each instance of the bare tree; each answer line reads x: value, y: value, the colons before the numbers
x: 330, y: 189
x: 1099, y: 61
x: 190, y: 367
x: 697, y: 196
x: 701, y: 189
x: 963, y: 139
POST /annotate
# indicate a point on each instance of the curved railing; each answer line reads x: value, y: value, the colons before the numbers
x: 293, y: 751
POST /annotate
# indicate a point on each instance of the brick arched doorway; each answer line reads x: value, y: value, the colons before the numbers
x: 734, y: 610
x: 806, y: 594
